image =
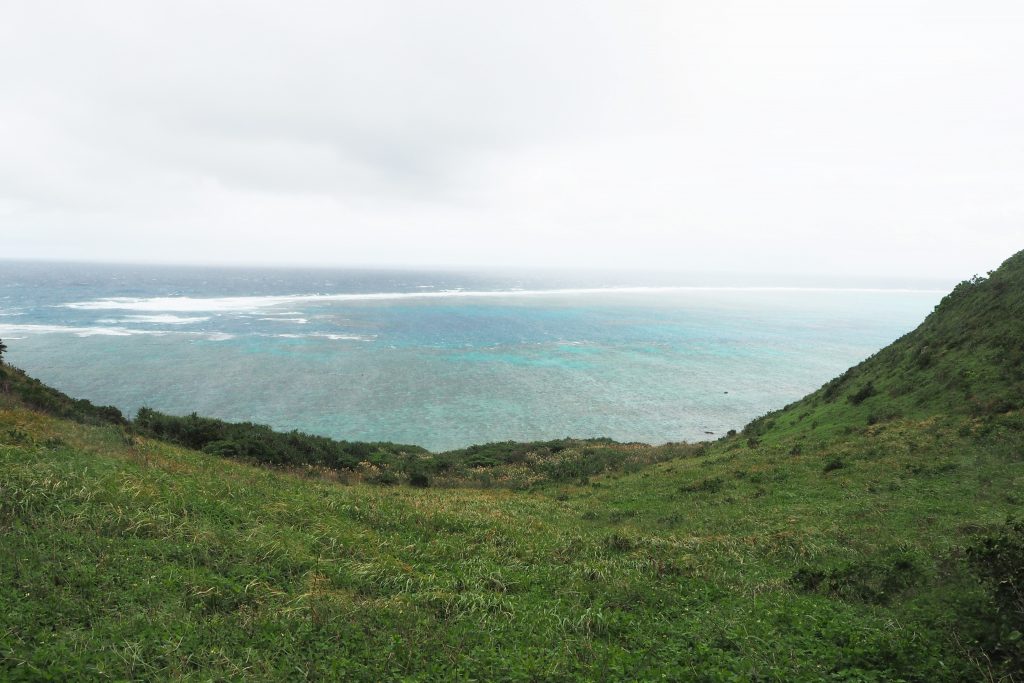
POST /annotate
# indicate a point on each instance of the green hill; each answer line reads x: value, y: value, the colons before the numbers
x: 860, y: 534
x: 966, y: 358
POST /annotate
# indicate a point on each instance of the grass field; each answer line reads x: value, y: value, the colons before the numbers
x: 858, y: 535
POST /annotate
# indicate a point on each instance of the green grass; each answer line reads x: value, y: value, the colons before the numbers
x: 966, y: 358
x: 149, y: 560
x: 823, y: 543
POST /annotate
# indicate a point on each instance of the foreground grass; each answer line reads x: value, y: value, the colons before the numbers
x: 134, y: 559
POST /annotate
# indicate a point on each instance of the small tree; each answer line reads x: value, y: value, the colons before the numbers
x: 3, y: 347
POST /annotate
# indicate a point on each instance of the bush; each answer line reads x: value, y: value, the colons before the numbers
x: 862, y: 394
x: 834, y: 464
x: 261, y: 444
x: 836, y: 385
x: 419, y: 480
x: 875, y: 581
x: 385, y: 478
x: 998, y: 562
x: 37, y: 395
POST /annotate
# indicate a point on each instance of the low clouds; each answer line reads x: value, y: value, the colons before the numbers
x: 817, y: 137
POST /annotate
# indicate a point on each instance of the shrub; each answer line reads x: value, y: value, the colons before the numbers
x: 18, y: 436
x: 836, y: 385
x: 834, y: 464
x: 875, y: 580
x: 385, y: 478
x: 37, y: 395
x: 864, y: 393
x: 997, y: 560
x: 419, y: 480
x: 261, y: 444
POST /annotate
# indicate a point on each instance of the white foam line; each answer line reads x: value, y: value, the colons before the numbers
x: 254, y: 303
x: 343, y: 337
x: 157, y: 319
x: 5, y: 330
x: 78, y: 331
x: 321, y: 335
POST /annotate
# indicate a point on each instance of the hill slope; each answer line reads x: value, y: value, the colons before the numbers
x: 966, y: 358
x: 855, y: 535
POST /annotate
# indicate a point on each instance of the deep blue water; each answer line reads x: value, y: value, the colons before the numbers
x: 441, y: 359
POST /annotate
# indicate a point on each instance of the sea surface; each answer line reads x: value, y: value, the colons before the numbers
x: 445, y: 359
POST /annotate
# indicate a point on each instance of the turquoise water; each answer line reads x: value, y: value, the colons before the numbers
x: 440, y: 359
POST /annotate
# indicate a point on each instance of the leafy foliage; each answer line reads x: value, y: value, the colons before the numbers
x: 876, y: 580
x: 998, y: 561
x: 261, y: 444
x: 33, y: 393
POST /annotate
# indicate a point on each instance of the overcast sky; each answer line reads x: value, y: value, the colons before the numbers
x: 812, y: 136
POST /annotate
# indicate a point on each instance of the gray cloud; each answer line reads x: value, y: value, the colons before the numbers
x: 818, y: 137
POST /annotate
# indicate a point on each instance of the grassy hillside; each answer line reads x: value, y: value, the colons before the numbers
x: 857, y: 535
x: 966, y: 358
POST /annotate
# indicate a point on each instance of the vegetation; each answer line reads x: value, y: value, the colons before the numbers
x: 864, y: 533
x: 260, y: 444
x: 34, y: 394
x: 504, y: 465
x: 507, y: 465
x: 966, y: 359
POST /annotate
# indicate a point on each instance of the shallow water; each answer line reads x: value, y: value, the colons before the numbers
x: 440, y: 359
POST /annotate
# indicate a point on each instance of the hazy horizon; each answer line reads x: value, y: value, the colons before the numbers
x: 570, y: 275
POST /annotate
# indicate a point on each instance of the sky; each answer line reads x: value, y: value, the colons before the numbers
x: 793, y: 136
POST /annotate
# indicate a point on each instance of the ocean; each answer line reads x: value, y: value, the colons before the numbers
x: 444, y: 359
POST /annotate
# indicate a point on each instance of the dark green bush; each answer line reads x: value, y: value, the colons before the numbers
x: 835, y: 386
x: 834, y: 464
x: 997, y: 560
x: 419, y: 480
x: 37, y: 395
x: 875, y: 581
x: 863, y: 394
x: 261, y: 444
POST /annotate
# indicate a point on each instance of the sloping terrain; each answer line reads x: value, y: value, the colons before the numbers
x: 859, y: 534
x: 965, y: 359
